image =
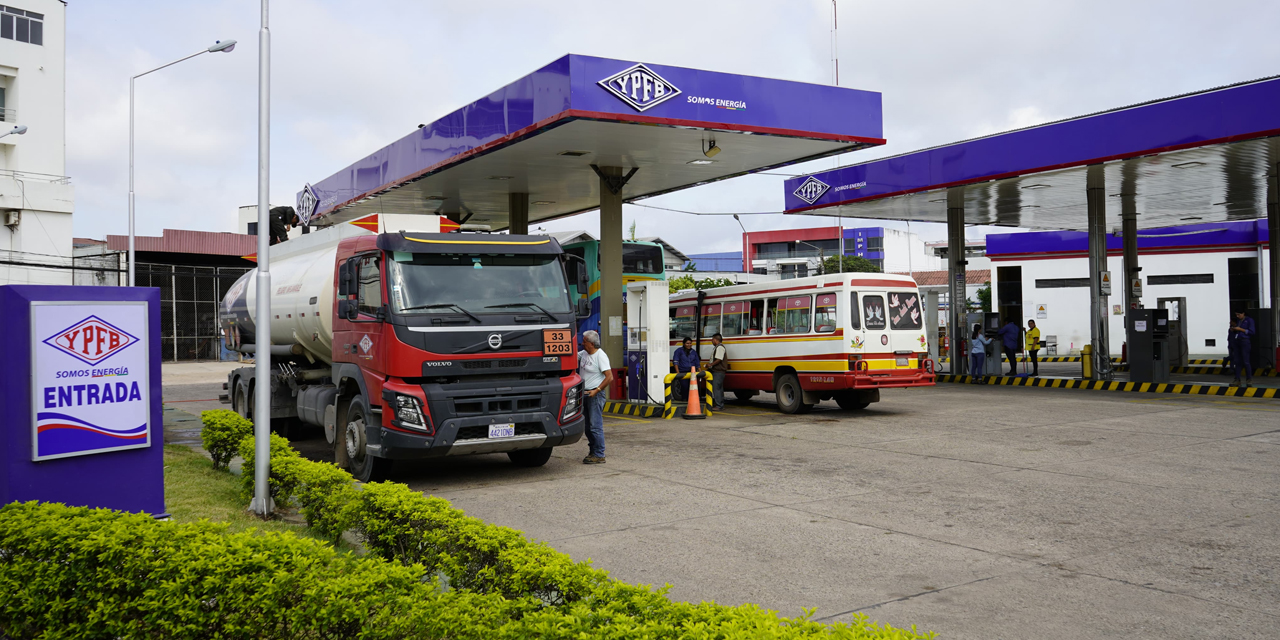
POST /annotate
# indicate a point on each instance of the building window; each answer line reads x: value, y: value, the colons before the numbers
x: 1182, y: 278
x: 760, y: 271
x: 23, y: 26
x: 1061, y: 283
x: 875, y: 243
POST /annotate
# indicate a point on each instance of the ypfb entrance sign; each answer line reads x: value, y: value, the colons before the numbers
x: 82, y: 397
x: 91, y: 378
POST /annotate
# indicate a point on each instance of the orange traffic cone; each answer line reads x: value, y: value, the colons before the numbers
x: 694, y: 410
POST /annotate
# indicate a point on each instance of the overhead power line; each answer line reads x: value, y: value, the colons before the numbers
x: 710, y: 213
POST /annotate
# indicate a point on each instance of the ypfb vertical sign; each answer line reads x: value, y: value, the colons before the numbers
x: 90, y: 378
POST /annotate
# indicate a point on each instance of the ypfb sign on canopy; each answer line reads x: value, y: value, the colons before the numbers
x: 91, y: 378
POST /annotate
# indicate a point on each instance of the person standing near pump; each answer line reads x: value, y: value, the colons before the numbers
x: 1010, y: 334
x: 1240, y: 348
x: 718, y: 368
x: 978, y: 353
x: 686, y: 358
x: 1033, y: 346
x: 597, y: 375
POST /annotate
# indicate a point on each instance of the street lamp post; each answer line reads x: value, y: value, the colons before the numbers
x: 261, y: 503
x: 822, y: 268
x: 17, y: 130
x: 223, y: 46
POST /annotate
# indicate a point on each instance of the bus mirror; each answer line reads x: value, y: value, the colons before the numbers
x: 584, y: 308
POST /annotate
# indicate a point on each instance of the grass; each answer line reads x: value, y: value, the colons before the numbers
x: 194, y: 490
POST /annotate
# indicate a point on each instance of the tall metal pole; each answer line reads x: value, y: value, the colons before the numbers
x: 957, y: 281
x: 1273, y: 242
x: 261, y: 504
x: 131, y: 280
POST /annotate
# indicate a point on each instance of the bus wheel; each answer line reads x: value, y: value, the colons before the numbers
x: 364, y: 467
x: 745, y: 395
x: 851, y: 401
x: 790, y: 395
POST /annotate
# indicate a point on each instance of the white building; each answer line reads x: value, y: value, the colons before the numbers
x: 1219, y: 268
x: 36, y: 197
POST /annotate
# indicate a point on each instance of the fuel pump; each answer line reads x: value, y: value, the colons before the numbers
x: 991, y: 327
x: 1177, y: 343
x: 648, y: 339
x: 1148, y: 345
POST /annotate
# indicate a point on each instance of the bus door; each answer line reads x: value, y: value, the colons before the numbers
x: 855, y: 336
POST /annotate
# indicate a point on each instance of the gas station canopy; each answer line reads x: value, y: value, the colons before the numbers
x: 544, y: 134
x: 1199, y: 157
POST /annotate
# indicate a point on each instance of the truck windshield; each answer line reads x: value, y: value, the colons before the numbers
x: 431, y: 283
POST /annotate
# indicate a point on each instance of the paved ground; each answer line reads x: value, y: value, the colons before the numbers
x: 976, y: 512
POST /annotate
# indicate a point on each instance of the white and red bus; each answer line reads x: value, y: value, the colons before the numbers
x: 841, y: 336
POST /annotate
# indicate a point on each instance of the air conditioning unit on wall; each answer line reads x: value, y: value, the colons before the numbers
x: 12, y: 217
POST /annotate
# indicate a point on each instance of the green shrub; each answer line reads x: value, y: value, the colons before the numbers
x: 223, y: 430
x: 280, y: 486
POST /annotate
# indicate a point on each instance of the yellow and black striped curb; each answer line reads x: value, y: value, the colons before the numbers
x: 1210, y: 370
x: 1028, y: 359
x: 671, y: 409
x: 1116, y: 385
x: 638, y: 409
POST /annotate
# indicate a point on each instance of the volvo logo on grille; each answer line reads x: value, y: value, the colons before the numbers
x: 640, y: 87
x: 495, y: 341
x: 811, y: 189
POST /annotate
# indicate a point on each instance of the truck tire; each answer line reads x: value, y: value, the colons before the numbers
x: 530, y: 457
x: 851, y: 401
x: 242, y: 402
x: 790, y: 395
x: 364, y: 467
x: 745, y: 395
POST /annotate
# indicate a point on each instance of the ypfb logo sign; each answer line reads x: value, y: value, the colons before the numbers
x: 91, y: 382
x: 640, y: 87
x: 91, y: 340
x: 307, y: 204
x: 811, y: 189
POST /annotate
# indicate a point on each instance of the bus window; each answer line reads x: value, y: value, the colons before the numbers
x: 755, y: 318
x: 773, y: 317
x: 710, y: 320
x: 873, y: 311
x: 824, y: 316
x: 854, y: 321
x: 904, y: 310
x: 682, y: 322
x: 795, y: 314
x: 731, y: 321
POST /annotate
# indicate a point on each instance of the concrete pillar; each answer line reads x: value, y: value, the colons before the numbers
x: 931, y: 321
x: 1273, y: 240
x: 518, y: 213
x: 1099, y: 311
x: 611, y: 266
x: 956, y: 280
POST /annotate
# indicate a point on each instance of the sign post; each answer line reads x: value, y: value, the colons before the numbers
x: 82, y: 397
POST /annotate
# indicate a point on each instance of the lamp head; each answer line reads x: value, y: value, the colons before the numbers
x: 735, y: 217
x: 19, y: 129
x: 224, y: 46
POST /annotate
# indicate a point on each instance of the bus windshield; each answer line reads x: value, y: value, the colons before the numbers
x: 431, y: 283
x: 641, y: 258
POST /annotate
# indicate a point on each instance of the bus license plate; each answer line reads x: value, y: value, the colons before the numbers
x: 557, y: 342
x: 502, y: 430
x: 902, y: 362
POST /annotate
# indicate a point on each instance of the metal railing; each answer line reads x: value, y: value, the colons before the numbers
x: 8, y: 115
x: 33, y: 176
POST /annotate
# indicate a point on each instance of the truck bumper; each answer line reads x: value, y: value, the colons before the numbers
x: 462, y: 436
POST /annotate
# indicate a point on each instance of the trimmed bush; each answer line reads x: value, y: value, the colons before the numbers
x: 280, y: 486
x: 223, y: 430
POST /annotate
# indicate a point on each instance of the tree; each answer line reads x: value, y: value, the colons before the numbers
x: 984, y: 297
x: 633, y: 231
x: 690, y: 266
x: 852, y: 264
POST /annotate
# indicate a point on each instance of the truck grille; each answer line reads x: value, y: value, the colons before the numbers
x: 502, y: 405
x: 481, y: 432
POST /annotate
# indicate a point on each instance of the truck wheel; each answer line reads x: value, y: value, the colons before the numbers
x: 530, y: 457
x: 851, y: 401
x: 744, y: 396
x: 243, y: 404
x: 790, y: 395
x: 364, y: 467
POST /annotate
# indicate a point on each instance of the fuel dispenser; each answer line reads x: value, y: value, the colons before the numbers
x: 990, y: 323
x: 648, y: 340
x: 1263, y: 353
x: 1148, y: 332
x: 1177, y: 343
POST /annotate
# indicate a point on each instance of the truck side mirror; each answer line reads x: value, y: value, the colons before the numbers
x: 348, y: 309
x: 581, y: 280
x: 584, y: 308
x: 344, y: 281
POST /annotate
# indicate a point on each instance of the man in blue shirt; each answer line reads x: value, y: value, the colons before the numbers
x: 686, y: 358
x: 1240, y: 348
x: 1010, y: 335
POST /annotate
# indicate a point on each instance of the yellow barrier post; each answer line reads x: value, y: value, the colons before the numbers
x: 1086, y: 360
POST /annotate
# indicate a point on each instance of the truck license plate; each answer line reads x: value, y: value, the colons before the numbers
x: 557, y: 342
x: 902, y: 362
x: 502, y: 430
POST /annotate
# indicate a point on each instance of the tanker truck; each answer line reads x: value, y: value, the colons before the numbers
x: 412, y: 344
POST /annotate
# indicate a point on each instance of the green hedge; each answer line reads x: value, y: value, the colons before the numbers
x: 223, y: 430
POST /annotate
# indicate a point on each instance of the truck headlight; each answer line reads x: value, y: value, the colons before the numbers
x: 409, y: 412
x: 572, y: 403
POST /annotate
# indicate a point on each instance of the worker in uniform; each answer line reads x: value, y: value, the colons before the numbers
x: 1241, y: 346
x: 1033, y: 346
x: 282, y: 220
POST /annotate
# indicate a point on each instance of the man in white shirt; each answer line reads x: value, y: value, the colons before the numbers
x: 718, y: 368
x: 597, y: 375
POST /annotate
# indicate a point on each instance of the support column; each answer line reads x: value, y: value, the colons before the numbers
x: 956, y: 280
x: 518, y: 214
x: 611, y: 183
x: 1273, y: 240
x: 931, y: 321
x: 1099, y: 313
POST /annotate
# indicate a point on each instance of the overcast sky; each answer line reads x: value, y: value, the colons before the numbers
x: 350, y: 77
